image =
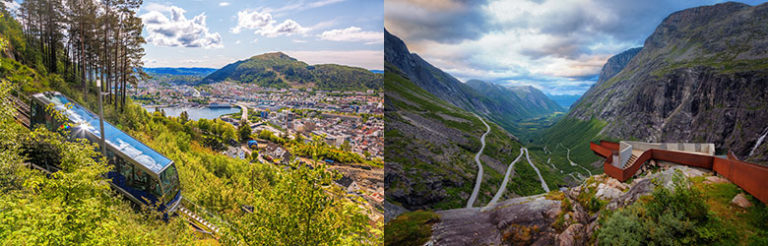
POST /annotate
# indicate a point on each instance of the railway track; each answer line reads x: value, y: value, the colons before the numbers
x: 200, y: 219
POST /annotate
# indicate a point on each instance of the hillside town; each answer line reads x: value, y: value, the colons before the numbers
x: 350, y: 121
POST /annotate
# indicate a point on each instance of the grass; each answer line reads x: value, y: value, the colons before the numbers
x: 411, y: 228
x: 691, y: 213
x: 751, y: 223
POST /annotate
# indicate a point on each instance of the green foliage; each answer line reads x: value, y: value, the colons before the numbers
x: 220, y: 184
x: 244, y: 131
x: 669, y: 217
x: 411, y: 228
x: 304, y: 208
x: 71, y: 206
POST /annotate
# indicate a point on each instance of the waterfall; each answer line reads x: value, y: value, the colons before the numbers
x: 759, y: 141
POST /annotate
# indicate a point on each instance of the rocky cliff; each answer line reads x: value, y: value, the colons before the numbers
x: 616, y: 63
x: 702, y: 76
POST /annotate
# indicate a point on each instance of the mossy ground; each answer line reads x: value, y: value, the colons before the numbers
x: 411, y: 228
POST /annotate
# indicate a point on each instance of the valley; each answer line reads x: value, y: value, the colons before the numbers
x: 672, y: 89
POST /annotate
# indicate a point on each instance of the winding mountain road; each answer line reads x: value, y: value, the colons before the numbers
x: 503, y: 187
x: 574, y: 163
x: 479, y: 178
x: 543, y: 183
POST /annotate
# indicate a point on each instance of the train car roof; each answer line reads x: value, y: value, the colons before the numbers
x: 117, y: 139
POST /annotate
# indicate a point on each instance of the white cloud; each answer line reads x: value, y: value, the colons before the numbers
x: 368, y: 59
x: 11, y: 6
x: 262, y: 23
x: 353, y: 34
x: 556, y: 44
x: 174, y: 29
x: 223, y: 4
x: 304, y: 5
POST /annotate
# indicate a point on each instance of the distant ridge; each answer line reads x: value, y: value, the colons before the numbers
x: 200, y: 71
x: 278, y: 70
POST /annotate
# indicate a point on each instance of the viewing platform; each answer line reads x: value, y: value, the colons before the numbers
x: 624, y: 159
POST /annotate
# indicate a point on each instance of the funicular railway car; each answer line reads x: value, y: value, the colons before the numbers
x: 138, y: 172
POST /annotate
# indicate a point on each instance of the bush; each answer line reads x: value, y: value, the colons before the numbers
x: 670, y: 217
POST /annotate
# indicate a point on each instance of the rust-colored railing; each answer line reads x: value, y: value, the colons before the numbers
x: 750, y: 177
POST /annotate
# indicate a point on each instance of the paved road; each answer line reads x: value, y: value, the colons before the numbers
x: 245, y: 111
x: 543, y: 183
x: 503, y: 187
x: 574, y: 163
x: 479, y: 178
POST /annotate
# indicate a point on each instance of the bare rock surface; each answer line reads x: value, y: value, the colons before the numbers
x: 573, y: 235
x: 524, y: 220
x: 741, y: 201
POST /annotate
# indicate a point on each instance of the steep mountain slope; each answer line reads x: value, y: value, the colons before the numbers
x: 700, y: 77
x: 499, y: 108
x: 430, y: 149
x: 616, y: 63
x: 279, y: 70
x: 527, y: 100
x: 431, y: 144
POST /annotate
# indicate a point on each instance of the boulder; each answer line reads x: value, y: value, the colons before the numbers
x: 616, y: 184
x: 715, y: 180
x: 741, y: 201
x: 606, y: 192
x: 573, y: 235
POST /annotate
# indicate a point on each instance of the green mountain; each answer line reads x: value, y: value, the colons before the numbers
x: 279, y: 70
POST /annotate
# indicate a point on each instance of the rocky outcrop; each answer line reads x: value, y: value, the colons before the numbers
x: 525, y: 220
x: 616, y: 63
x: 700, y: 77
x: 557, y: 218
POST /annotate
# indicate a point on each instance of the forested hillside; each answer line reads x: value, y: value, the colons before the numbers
x: 65, y: 47
x: 279, y: 70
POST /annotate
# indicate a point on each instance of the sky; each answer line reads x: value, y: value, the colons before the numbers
x: 201, y: 33
x: 557, y: 46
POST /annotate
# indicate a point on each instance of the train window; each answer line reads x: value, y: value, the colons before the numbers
x: 156, y: 188
x: 126, y: 169
x: 139, y: 179
x: 169, y: 179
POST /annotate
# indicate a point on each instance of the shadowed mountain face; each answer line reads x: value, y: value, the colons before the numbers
x: 702, y: 76
x: 526, y: 101
x: 505, y: 106
x: 279, y: 70
x: 616, y: 63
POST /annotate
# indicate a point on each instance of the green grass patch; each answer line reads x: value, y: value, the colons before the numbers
x: 412, y: 228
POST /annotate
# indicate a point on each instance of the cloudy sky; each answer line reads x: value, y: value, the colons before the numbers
x: 557, y: 46
x: 201, y: 33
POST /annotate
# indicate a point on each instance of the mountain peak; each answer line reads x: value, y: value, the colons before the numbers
x: 274, y: 55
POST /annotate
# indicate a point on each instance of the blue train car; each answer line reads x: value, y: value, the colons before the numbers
x: 140, y: 173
